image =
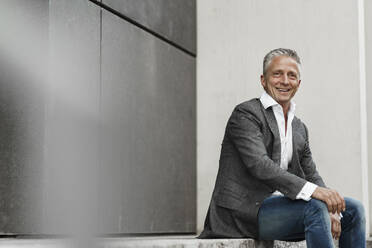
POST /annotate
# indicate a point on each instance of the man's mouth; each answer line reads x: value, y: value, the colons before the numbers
x: 283, y: 90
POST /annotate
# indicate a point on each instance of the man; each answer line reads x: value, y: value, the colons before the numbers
x: 267, y: 185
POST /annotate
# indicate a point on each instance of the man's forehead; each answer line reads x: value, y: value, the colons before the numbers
x: 283, y: 62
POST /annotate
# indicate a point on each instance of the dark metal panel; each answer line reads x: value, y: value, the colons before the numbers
x: 23, y: 51
x: 174, y: 19
x: 147, y: 177
x: 72, y: 118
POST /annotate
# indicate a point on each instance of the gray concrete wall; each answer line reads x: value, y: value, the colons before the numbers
x: 148, y: 156
x: 72, y: 118
x: 107, y: 143
x: 232, y: 41
x: 23, y: 72
x: 172, y: 19
x: 121, y: 126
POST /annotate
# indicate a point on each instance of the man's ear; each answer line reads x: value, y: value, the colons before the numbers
x: 263, y: 82
x: 299, y: 82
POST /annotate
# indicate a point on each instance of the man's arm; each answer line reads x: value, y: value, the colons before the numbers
x: 335, y: 202
x: 308, y: 164
x: 245, y: 133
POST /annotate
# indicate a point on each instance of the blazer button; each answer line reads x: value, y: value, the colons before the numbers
x: 257, y: 203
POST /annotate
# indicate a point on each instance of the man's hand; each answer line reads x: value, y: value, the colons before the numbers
x: 335, y: 225
x: 335, y: 202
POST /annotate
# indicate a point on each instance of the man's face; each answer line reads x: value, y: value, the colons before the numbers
x: 282, y: 79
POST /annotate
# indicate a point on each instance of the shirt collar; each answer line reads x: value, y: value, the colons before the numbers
x: 267, y: 101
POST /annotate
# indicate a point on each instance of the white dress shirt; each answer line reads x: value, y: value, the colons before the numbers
x: 286, y: 141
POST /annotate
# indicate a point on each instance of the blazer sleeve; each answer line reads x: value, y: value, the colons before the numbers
x: 308, y: 165
x: 245, y: 133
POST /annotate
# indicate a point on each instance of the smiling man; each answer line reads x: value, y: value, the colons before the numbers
x: 267, y: 185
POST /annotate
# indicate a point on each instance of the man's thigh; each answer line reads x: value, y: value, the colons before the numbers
x: 281, y: 218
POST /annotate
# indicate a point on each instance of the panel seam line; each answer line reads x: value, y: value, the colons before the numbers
x: 144, y: 28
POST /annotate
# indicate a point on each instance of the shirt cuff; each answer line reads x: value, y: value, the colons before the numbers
x: 306, y: 191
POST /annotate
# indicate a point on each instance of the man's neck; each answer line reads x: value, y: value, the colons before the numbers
x: 285, y: 109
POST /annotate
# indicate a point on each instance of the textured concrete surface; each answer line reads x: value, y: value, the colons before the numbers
x: 145, y: 242
x: 189, y: 242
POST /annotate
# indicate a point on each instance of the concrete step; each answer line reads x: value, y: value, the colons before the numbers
x: 144, y: 242
x: 191, y: 242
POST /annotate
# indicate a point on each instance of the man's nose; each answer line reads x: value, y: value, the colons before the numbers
x: 285, y: 80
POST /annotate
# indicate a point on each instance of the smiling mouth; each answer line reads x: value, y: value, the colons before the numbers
x: 283, y: 90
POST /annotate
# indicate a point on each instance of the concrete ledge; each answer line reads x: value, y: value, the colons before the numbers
x: 144, y: 242
x: 192, y: 242
x: 189, y: 242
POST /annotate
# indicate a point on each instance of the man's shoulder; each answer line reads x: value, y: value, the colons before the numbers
x: 251, y: 109
x: 252, y: 106
x: 299, y: 125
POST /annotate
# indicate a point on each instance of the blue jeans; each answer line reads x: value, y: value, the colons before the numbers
x: 281, y: 218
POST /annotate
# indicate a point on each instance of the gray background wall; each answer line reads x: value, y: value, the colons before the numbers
x: 232, y: 41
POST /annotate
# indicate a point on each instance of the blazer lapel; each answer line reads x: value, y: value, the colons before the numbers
x: 294, y: 165
x: 295, y: 135
x: 271, y: 121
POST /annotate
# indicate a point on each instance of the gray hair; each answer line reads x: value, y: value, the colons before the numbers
x: 280, y: 52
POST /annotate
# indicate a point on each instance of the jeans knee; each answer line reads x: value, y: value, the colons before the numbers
x: 357, y: 210
x: 316, y: 216
x: 316, y: 207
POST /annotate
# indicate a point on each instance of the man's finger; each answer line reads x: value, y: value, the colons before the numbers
x: 338, y: 230
x: 329, y: 204
x: 337, y: 200
x: 340, y: 205
x: 341, y: 202
x: 334, y: 228
x: 333, y: 204
x: 344, y: 205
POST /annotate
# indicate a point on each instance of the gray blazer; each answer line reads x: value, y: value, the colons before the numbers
x: 249, y: 170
